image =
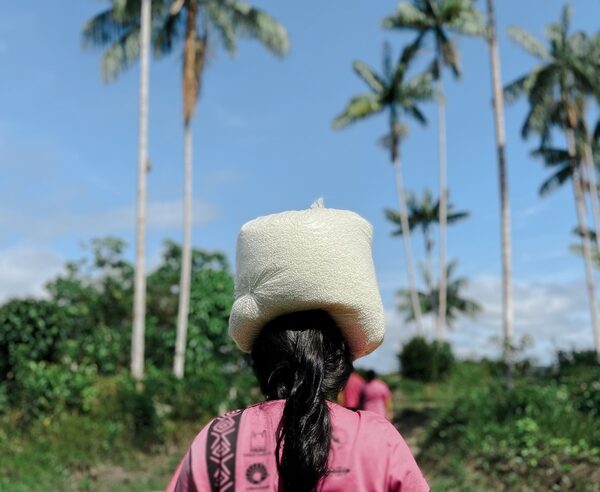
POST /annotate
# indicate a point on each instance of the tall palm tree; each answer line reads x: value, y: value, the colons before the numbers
x: 396, y: 94
x: 457, y: 305
x: 436, y: 19
x: 423, y: 214
x: 553, y: 89
x: 195, y: 25
x: 120, y: 14
x: 500, y: 135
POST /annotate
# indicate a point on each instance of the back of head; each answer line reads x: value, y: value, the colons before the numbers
x: 303, y: 358
x: 370, y: 375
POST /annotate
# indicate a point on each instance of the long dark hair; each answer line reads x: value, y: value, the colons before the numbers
x: 302, y: 357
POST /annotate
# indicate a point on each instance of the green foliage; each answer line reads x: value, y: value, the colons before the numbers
x: 59, y: 352
x: 524, y: 433
x: 392, y: 91
x: 437, y: 19
x: 425, y: 361
x: 575, y: 359
x: 30, y: 330
x: 50, y: 389
x: 117, y: 29
x: 139, y: 413
x: 456, y: 303
x: 211, y: 299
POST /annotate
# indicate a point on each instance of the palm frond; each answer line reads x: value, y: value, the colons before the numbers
x: 169, y: 31
x: 552, y: 156
x: 359, y: 107
x: 120, y: 55
x: 420, y: 88
x: 529, y: 43
x: 407, y: 56
x: 107, y: 28
x: 416, y: 113
x: 470, y: 22
x: 257, y: 24
x: 371, y: 78
x: 453, y: 217
x: 394, y: 217
x: 222, y: 23
x: 556, y: 180
x: 407, y: 16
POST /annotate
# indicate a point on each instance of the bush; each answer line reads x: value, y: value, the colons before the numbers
x: 31, y: 329
x: 574, y: 360
x: 139, y: 411
x: 426, y: 361
x: 49, y: 389
x: 527, y: 432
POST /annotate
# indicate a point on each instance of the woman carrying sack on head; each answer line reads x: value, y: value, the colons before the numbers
x: 306, y: 306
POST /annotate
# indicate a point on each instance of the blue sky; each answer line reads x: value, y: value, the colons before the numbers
x: 264, y: 143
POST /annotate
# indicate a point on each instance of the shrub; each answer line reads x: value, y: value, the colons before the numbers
x: 139, y: 411
x: 426, y: 361
x: 30, y: 329
x: 513, y: 428
x: 49, y: 389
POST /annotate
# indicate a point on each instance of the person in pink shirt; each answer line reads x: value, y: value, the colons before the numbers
x: 307, y: 305
x: 352, y: 391
x: 376, y: 397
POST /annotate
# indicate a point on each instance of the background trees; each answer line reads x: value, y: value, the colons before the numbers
x: 196, y: 26
x: 435, y: 19
x: 555, y: 91
x: 397, y: 95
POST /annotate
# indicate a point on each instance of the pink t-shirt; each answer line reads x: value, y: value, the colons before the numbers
x: 367, y: 454
x: 374, y: 396
x: 352, y: 391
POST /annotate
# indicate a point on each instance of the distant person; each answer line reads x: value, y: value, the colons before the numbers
x: 376, y: 396
x: 306, y: 306
x: 352, y: 391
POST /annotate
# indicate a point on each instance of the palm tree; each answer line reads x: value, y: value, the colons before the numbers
x: 120, y: 14
x: 436, y: 19
x: 195, y: 25
x: 393, y: 92
x: 578, y: 250
x: 500, y: 135
x: 457, y: 305
x: 424, y: 213
x: 553, y: 89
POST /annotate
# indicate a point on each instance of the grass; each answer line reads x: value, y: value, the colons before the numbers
x: 79, y: 453
x: 469, y: 435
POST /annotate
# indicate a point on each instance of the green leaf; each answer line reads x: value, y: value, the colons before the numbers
x: 529, y: 43
x: 407, y: 16
x: 359, y: 107
x: 255, y: 23
x: 369, y: 76
x: 121, y: 55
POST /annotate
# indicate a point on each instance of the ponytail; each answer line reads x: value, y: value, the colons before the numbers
x: 302, y: 358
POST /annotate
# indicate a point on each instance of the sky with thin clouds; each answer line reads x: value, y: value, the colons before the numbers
x: 264, y: 143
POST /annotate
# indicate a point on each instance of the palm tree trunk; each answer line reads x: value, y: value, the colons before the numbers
x: 429, y: 258
x: 441, y: 318
x: 585, y: 241
x: 192, y: 65
x: 498, y: 99
x: 186, y: 257
x: 139, y: 288
x: 593, y: 190
x: 416, y: 305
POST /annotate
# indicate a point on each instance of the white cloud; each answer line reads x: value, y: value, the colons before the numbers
x: 555, y: 315
x: 24, y: 271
